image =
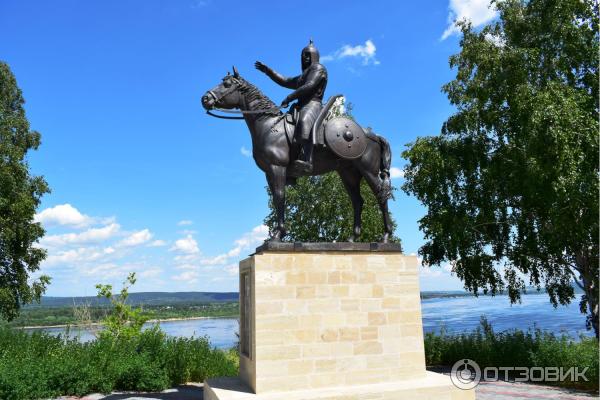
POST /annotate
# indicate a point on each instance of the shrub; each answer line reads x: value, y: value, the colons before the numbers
x: 39, y: 365
x: 515, y: 348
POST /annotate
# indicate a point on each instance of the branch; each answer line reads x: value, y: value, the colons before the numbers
x: 474, y: 227
x: 575, y: 278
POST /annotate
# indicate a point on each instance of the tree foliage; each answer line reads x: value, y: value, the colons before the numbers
x: 511, y: 184
x: 124, y: 321
x: 20, y: 194
x: 318, y: 209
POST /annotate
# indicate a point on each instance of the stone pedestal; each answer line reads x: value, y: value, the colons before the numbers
x: 331, y: 321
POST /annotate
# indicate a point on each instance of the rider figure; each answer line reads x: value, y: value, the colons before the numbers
x: 309, y: 89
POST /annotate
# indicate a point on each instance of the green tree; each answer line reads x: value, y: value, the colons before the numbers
x: 20, y: 194
x: 511, y: 184
x: 318, y: 209
x: 123, y: 321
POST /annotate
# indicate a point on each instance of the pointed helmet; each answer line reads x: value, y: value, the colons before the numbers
x: 310, y: 55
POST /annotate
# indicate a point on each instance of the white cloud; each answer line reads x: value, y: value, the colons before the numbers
x: 78, y: 256
x: 157, y: 243
x: 366, y: 52
x: 191, y: 266
x: 217, y: 260
x: 247, y: 241
x: 93, y: 235
x: 186, y: 245
x: 150, y: 273
x: 187, y: 266
x: 245, y: 152
x: 186, y: 258
x: 477, y: 11
x: 136, y: 238
x: 436, y: 278
x: 396, y: 173
x: 232, y: 269
x: 187, y: 276
x: 256, y: 236
x: 65, y: 257
x: 88, y: 249
x: 63, y: 214
x: 106, y: 270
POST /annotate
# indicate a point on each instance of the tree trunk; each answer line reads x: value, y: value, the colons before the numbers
x: 589, y: 281
x: 592, y: 301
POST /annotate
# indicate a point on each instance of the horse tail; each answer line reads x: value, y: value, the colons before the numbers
x: 385, y: 190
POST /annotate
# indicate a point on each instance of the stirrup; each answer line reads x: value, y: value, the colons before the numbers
x: 303, y: 166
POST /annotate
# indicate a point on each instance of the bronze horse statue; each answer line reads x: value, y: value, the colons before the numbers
x: 273, y: 152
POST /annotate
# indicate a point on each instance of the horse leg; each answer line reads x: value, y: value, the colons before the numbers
x: 276, y: 180
x: 376, y: 186
x: 351, y: 180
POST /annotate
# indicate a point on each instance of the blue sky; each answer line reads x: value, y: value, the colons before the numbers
x: 143, y: 180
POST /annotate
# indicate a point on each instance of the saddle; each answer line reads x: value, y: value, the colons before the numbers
x: 317, y: 132
x: 340, y: 134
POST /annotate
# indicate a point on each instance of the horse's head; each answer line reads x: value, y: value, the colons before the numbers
x: 225, y: 95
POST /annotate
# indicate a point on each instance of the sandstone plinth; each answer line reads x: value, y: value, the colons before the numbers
x: 327, y: 322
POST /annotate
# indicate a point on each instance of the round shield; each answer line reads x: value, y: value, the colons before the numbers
x: 345, y: 138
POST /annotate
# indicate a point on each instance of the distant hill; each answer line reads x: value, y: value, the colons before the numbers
x: 529, y: 290
x: 147, y: 298
x: 173, y: 298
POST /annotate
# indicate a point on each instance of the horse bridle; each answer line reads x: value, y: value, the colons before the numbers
x: 226, y: 93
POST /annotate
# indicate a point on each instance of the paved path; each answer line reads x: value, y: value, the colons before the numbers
x: 526, y: 391
x: 485, y: 391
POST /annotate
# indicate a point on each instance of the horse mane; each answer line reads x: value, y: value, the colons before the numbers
x: 254, y: 95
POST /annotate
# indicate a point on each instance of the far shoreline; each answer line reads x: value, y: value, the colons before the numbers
x: 101, y: 324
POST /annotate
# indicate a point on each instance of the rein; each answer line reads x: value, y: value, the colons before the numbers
x: 265, y: 110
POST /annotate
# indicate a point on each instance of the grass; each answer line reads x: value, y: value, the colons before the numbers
x: 515, y: 348
x: 38, y: 365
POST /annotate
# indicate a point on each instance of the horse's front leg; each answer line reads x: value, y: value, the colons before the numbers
x: 276, y: 179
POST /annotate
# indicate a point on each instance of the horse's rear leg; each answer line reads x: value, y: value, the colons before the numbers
x: 276, y: 180
x: 351, y: 179
x: 376, y: 186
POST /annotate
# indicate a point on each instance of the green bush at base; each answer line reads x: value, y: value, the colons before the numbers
x: 516, y: 349
x: 38, y: 365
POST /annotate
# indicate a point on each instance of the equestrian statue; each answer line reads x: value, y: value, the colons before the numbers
x: 307, y: 140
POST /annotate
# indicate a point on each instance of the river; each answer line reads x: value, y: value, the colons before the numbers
x: 455, y: 314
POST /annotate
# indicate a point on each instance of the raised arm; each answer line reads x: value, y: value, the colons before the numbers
x: 290, y: 83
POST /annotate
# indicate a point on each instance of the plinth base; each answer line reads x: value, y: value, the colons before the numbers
x: 432, y: 386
